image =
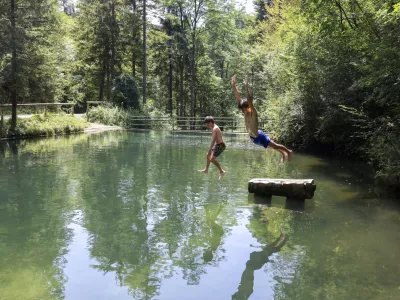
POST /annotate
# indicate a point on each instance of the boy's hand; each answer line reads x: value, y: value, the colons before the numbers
x: 234, y: 80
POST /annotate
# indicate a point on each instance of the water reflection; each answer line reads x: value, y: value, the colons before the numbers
x: 33, y: 227
x: 2, y: 149
x: 215, y: 232
x: 257, y: 260
x: 281, y: 202
x: 132, y: 209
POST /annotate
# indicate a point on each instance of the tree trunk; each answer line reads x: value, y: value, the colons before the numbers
x: 177, y: 86
x: 144, y: 54
x: 181, y: 93
x: 113, y: 33
x: 108, y: 90
x: 170, y: 67
x: 193, y: 78
x: 133, y: 64
x: 134, y: 39
x: 102, y: 80
x: 13, y: 66
x: 170, y: 83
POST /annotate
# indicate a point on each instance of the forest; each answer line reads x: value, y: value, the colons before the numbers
x: 325, y: 73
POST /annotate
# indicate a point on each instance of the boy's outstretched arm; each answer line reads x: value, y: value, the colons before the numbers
x: 248, y: 93
x: 237, y: 95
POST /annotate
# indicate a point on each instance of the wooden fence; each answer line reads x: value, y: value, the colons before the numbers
x: 227, y: 124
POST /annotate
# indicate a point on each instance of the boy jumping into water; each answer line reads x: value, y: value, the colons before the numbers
x: 251, y: 120
x: 216, y: 148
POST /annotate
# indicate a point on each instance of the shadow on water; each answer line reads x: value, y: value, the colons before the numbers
x: 2, y: 150
x: 10, y: 144
x: 351, y: 175
x: 257, y: 260
x: 280, y: 202
x: 216, y: 234
x: 13, y: 147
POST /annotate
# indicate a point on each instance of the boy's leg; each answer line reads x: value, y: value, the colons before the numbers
x: 205, y: 171
x: 221, y: 171
x: 284, y: 154
x: 282, y: 149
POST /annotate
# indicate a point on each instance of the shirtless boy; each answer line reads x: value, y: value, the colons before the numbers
x: 216, y: 148
x: 251, y: 121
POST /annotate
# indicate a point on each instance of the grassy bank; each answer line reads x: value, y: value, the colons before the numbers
x: 44, y: 125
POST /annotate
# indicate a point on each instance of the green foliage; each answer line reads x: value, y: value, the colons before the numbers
x: 46, y: 125
x: 109, y: 115
x: 328, y: 77
x: 126, y: 93
x: 38, y: 44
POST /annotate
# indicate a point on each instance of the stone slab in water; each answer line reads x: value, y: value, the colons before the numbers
x: 291, y: 188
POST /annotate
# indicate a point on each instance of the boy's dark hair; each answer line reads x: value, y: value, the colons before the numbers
x: 209, y: 119
x: 243, y: 104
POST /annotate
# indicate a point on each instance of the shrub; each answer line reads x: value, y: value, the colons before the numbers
x: 126, y: 93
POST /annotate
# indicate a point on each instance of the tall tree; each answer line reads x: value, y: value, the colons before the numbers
x: 261, y: 9
x: 168, y: 23
x: 144, y: 91
x: 170, y: 73
x: 27, y: 72
x: 99, y: 42
x: 221, y: 35
x: 130, y: 38
x: 14, y: 65
x: 135, y: 40
x: 193, y: 13
x: 68, y: 7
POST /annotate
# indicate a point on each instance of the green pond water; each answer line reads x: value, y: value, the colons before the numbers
x: 126, y: 215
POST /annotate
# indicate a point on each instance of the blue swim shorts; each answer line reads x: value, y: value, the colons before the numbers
x: 262, y: 139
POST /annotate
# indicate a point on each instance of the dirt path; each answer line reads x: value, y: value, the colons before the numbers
x: 95, y: 127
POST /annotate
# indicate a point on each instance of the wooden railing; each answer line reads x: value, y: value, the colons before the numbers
x: 44, y: 105
x: 232, y: 124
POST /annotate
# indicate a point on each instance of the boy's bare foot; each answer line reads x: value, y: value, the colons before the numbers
x: 204, y: 171
x: 290, y: 153
x: 284, y: 157
x: 221, y: 174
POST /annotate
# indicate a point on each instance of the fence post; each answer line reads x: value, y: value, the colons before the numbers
x: 87, y: 111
